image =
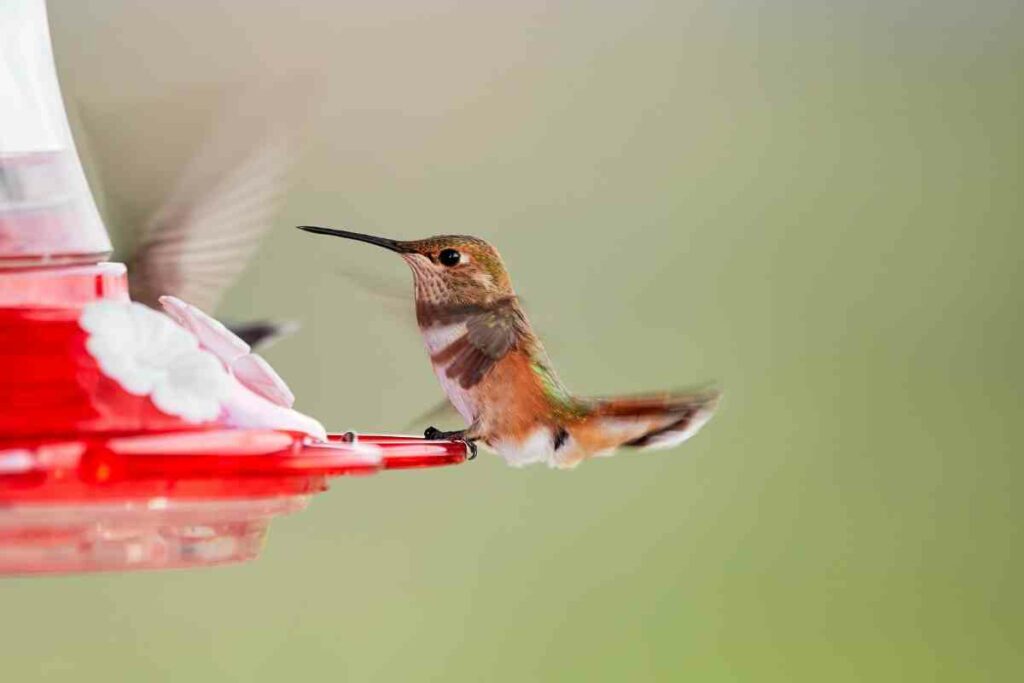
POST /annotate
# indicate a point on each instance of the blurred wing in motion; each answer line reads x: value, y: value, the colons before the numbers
x: 201, y: 239
x: 397, y: 298
x: 443, y: 412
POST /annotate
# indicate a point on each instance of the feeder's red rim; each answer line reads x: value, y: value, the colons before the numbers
x: 55, y: 284
x: 226, y: 452
x: 205, y: 464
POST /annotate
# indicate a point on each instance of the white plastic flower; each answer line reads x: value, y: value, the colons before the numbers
x: 247, y: 367
x: 149, y: 355
x: 257, y: 396
x: 191, y: 366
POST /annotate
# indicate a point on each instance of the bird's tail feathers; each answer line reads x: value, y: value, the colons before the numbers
x: 646, y: 421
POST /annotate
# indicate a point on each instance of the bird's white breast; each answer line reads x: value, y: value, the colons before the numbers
x: 437, y: 339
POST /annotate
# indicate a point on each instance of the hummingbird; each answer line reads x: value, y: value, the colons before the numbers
x: 496, y: 373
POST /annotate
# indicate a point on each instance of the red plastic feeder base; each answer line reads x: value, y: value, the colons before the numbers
x: 186, y: 499
x: 93, y: 478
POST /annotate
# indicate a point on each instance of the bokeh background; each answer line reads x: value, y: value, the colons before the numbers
x: 816, y: 203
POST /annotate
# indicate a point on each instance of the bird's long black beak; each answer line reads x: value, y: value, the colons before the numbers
x: 393, y: 245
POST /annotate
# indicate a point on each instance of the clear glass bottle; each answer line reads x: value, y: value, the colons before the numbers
x: 47, y: 213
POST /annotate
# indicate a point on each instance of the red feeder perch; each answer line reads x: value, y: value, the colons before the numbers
x: 99, y: 469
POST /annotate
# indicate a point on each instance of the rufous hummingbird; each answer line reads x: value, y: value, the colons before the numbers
x: 496, y: 373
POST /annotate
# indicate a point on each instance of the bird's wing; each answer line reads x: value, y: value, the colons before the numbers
x: 491, y: 332
x: 442, y: 411
x: 396, y: 300
x: 224, y: 202
x: 199, y: 241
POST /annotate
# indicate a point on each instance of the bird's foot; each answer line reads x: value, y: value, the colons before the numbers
x: 435, y: 434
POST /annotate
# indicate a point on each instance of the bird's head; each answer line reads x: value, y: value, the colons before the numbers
x: 447, y: 268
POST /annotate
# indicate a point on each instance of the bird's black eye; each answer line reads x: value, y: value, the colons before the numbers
x: 449, y: 257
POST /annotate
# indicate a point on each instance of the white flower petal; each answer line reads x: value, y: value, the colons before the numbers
x: 243, y: 408
x: 256, y: 374
x: 191, y: 407
x: 199, y: 372
x: 118, y: 364
x: 105, y: 315
x: 212, y: 333
x: 149, y: 355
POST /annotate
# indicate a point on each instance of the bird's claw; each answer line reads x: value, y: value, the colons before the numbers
x: 435, y: 434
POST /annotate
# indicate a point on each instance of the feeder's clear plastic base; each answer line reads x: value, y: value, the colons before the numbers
x: 147, y: 534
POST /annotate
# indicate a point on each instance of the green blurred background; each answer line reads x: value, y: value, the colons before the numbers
x: 817, y: 204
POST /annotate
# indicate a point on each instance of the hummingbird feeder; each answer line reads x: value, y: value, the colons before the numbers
x: 129, y: 438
